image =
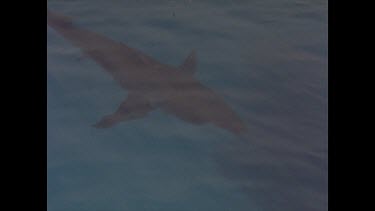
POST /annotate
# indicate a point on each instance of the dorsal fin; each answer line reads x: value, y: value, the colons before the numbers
x: 190, y: 63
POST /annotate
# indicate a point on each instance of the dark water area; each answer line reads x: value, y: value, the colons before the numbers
x: 266, y: 60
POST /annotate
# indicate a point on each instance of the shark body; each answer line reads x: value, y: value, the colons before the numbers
x: 150, y: 84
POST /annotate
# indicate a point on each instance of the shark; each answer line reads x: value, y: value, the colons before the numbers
x: 150, y: 84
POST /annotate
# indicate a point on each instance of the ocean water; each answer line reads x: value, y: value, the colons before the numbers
x: 266, y: 58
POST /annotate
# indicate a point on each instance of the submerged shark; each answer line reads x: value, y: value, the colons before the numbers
x: 150, y: 84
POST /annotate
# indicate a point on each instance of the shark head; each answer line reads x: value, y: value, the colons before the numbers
x: 54, y: 19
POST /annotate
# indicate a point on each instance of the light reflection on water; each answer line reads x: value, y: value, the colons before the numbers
x: 267, y: 59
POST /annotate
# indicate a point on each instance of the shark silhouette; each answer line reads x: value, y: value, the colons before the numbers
x: 150, y: 84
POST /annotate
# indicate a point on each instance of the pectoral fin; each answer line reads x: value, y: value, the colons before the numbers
x: 134, y: 107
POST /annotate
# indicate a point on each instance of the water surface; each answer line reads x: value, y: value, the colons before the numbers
x: 267, y: 59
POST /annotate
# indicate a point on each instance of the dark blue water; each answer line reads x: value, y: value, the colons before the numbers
x: 267, y: 59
